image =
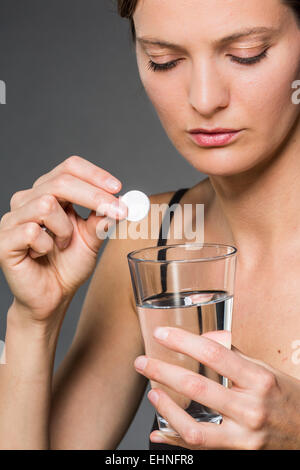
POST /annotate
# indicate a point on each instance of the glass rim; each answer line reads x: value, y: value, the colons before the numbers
x: 131, y: 256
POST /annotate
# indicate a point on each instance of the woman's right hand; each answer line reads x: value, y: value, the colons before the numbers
x: 44, y: 271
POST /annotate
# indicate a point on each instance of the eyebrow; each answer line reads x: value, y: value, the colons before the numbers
x: 222, y: 41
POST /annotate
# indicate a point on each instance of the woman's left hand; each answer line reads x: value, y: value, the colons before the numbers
x: 261, y: 410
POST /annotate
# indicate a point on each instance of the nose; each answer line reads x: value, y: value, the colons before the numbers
x: 208, y: 91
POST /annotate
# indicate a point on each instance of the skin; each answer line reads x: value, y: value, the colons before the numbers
x: 249, y: 180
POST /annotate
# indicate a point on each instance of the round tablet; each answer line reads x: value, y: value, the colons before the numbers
x: 138, y: 205
x: 188, y: 301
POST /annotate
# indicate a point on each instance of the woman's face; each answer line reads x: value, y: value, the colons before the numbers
x: 207, y: 88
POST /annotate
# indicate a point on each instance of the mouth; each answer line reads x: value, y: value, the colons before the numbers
x: 215, y: 137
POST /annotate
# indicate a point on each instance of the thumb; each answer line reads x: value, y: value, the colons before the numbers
x: 96, y: 229
x: 99, y: 224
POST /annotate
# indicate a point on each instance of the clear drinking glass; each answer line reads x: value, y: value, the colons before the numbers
x: 188, y: 286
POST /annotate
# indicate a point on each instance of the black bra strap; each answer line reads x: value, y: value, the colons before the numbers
x: 174, y: 200
x: 163, y: 241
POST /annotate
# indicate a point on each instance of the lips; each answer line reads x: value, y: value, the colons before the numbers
x: 214, y: 138
x: 217, y: 130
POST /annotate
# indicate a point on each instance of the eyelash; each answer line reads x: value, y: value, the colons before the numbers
x: 240, y: 60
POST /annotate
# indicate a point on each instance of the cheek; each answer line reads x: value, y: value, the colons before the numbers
x: 166, y: 95
x: 267, y: 96
x: 166, y: 98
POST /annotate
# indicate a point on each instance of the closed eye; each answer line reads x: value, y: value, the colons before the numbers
x: 168, y: 65
x: 249, y: 60
x: 240, y: 60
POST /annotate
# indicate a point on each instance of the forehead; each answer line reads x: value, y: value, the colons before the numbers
x: 184, y: 21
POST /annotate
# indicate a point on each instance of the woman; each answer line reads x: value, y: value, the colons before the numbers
x: 226, y: 66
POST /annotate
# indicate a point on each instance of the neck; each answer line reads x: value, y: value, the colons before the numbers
x: 262, y: 206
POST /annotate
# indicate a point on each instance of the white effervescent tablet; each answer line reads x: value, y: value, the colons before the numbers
x: 188, y: 301
x: 138, y: 205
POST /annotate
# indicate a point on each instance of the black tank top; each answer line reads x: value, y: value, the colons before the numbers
x: 161, y: 242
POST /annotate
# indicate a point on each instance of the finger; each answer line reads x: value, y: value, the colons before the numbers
x: 227, y: 363
x: 222, y: 336
x: 15, y: 243
x: 95, y: 229
x: 20, y: 198
x: 66, y: 187
x: 44, y: 210
x: 194, y: 386
x: 85, y: 170
x: 192, y: 434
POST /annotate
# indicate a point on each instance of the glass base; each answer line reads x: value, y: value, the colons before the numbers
x: 200, y: 413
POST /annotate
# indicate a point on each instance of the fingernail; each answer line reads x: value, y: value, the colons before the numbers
x: 113, y: 184
x: 140, y: 363
x: 157, y: 438
x: 153, y: 397
x: 161, y: 333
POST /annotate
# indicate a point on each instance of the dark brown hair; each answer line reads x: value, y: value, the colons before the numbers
x: 126, y: 9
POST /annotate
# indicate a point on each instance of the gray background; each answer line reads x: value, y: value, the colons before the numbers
x: 73, y: 88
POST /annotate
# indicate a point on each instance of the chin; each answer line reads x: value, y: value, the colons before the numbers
x: 224, y: 165
x: 233, y: 159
